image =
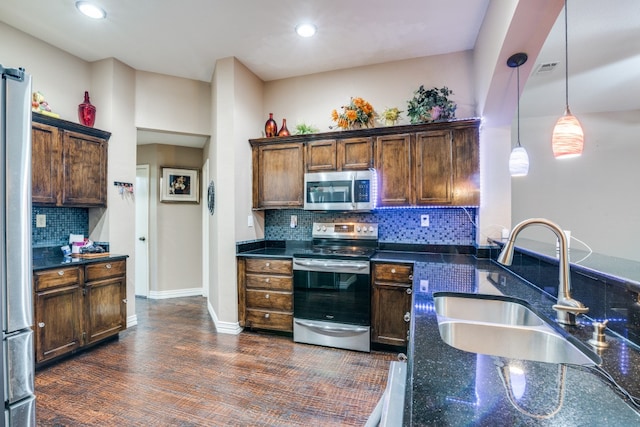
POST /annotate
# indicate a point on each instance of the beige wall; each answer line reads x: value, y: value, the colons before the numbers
x: 175, y: 237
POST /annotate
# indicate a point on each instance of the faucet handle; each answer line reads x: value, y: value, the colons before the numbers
x: 575, y: 310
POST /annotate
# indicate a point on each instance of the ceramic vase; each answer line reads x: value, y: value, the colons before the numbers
x: 270, y: 127
x: 283, y: 130
x: 87, y: 111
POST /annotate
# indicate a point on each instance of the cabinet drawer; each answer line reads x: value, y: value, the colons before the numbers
x: 263, y: 319
x: 270, y: 300
x: 398, y: 273
x: 104, y: 270
x: 273, y: 266
x: 56, y: 277
x: 264, y: 281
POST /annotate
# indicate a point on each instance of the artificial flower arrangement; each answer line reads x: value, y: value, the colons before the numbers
x: 358, y: 113
x: 390, y: 116
x: 431, y: 105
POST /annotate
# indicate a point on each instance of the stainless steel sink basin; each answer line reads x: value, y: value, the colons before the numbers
x: 505, y: 327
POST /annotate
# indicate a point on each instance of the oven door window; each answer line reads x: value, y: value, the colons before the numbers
x: 333, y: 297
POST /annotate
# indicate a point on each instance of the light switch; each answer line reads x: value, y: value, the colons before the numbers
x: 41, y: 221
x: 250, y: 221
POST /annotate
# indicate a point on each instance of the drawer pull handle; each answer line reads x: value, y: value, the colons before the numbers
x: 267, y: 296
x: 409, y: 291
x: 393, y: 271
x: 407, y: 317
x: 267, y: 280
x: 266, y: 316
x: 41, y: 325
x: 108, y: 266
x: 61, y: 273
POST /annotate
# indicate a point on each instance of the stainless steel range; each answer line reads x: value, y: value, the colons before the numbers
x: 332, y: 296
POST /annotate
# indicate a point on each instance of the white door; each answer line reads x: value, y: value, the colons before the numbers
x: 142, y: 230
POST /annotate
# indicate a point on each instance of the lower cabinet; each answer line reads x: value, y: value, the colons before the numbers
x: 392, y: 286
x: 78, y: 306
x: 265, y: 293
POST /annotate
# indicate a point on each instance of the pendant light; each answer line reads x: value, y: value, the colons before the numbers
x: 568, y: 138
x: 519, y: 159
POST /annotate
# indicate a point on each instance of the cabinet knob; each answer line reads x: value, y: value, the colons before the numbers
x: 267, y: 296
x: 61, y: 273
x: 268, y: 264
x: 409, y: 291
x: 266, y: 316
x: 411, y: 277
x: 407, y: 317
x: 107, y: 266
x: 393, y: 271
x: 267, y: 280
x: 41, y: 325
x: 125, y: 301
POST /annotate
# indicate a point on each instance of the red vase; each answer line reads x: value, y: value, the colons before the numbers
x: 87, y: 111
x: 283, y: 130
x: 270, y: 127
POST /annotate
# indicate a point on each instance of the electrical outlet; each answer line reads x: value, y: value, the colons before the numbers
x: 424, y: 220
x: 424, y: 285
x: 294, y: 221
x: 41, y: 221
x: 250, y: 221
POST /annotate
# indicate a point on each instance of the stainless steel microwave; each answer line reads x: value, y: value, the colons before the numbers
x: 340, y: 191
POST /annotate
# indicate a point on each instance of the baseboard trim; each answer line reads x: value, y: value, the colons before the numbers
x: 193, y: 292
x: 132, y: 320
x: 231, y: 328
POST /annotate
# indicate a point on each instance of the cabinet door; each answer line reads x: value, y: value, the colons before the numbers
x: 393, y: 163
x: 105, y: 306
x: 84, y: 180
x: 466, y: 167
x: 321, y: 155
x: 46, y: 159
x: 278, y: 179
x: 58, y: 322
x: 355, y: 154
x: 390, y: 313
x: 434, y: 168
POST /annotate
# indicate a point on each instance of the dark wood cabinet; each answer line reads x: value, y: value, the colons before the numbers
x: 394, y: 166
x: 321, y: 156
x: 392, y: 286
x: 78, y: 306
x: 355, y: 153
x: 278, y: 176
x: 433, y: 168
x: 58, y: 312
x: 69, y: 163
x: 265, y: 293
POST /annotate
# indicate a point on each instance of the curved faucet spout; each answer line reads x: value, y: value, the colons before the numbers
x: 566, y: 306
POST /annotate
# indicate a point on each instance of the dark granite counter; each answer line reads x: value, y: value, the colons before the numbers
x: 46, y: 263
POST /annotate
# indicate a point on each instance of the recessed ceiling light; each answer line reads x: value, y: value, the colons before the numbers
x: 306, y: 30
x: 91, y: 10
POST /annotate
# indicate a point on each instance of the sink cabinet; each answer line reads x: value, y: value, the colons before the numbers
x: 77, y: 306
x: 392, y: 286
x: 265, y: 293
x: 69, y: 163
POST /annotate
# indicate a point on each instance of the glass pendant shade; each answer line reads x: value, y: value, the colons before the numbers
x: 568, y: 138
x: 519, y: 162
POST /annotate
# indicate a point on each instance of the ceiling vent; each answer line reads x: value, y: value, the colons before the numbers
x: 546, y: 68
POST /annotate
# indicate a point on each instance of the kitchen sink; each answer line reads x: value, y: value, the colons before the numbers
x: 505, y: 327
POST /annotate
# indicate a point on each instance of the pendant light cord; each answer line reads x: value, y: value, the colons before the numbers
x: 566, y: 58
x: 518, y: 80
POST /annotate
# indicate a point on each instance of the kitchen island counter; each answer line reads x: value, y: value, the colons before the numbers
x: 447, y: 386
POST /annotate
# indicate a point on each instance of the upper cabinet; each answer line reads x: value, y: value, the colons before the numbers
x: 433, y: 164
x: 69, y: 163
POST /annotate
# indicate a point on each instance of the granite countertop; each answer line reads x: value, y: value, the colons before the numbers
x: 447, y: 386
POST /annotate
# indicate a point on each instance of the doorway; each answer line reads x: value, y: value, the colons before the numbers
x: 142, y: 231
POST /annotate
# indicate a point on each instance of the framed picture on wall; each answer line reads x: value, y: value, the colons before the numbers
x: 179, y: 185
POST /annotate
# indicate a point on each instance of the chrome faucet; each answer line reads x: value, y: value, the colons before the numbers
x: 566, y: 307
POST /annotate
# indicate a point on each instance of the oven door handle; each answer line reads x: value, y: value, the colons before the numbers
x: 333, y: 329
x: 353, y: 191
x: 332, y: 265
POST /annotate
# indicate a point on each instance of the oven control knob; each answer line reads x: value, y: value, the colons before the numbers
x: 371, y: 229
x: 358, y: 229
x: 324, y: 228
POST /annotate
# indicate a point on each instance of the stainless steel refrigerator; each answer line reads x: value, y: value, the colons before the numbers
x: 16, y: 308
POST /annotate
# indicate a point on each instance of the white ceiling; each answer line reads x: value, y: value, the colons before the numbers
x: 185, y: 38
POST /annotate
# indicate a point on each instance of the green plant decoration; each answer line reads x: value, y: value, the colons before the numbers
x: 304, y: 129
x: 431, y: 105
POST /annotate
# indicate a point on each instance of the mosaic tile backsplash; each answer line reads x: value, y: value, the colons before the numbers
x: 447, y: 226
x: 60, y: 223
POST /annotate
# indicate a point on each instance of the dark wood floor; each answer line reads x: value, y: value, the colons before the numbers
x: 173, y: 369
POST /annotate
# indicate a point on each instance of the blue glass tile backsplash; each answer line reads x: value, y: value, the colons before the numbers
x: 447, y: 226
x: 60, y: 223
